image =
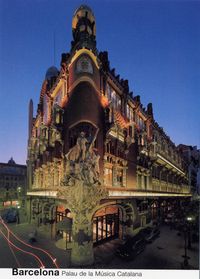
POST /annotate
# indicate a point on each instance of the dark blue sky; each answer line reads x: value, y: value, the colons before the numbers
x: 153, y: 44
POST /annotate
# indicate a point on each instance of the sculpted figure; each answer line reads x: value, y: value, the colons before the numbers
x: 82, y: 162
x: 82, y: 141
x: 96, y: 166
x: 73, y: 153
x: 78, y: 152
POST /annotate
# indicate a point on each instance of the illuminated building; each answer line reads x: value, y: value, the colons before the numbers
x: 192, y: 157
x: 12, y: 184
x: 99, y: 165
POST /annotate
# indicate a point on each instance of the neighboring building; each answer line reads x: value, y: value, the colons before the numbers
x: 12, y: 184
x: 99, y: 166
x: 192, y: 157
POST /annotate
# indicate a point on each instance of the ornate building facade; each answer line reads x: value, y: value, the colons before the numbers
x: 192, y: 157
x: 12, y: 184
x: 99, y: 165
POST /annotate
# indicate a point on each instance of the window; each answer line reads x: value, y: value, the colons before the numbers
x: 141, y: 123
x: 108, y: 147
x: 130, y: 131
x: 58, y: 98
x: 130, y: 114
x: 145, y: 182
x: 108, y: 176
x: 113, y: 97
x: 163, y: 146
x: 128, y: 111
x: 139, y: 181
x: 89, y: 30
x: 82, y: 28
x: 120, y: 177
x: 108, y: 92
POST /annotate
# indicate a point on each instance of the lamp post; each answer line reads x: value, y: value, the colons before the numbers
x: 19, y: 196
x: 185, y: 256
x: 189, y: 220
x: 187, y: 240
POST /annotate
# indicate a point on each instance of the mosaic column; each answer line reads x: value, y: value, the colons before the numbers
x: 114, y: 175
x: 82, y: 247
x: 56, y: 174
x: 82, y: 200
x: 124, y: 173
x: 44, y: 176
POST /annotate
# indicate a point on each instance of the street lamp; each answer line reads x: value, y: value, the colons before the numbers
x: 187, y: 239
x: 189, y: 221
x: 185, y: 256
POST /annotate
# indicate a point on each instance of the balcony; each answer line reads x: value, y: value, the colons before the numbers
x: 163, y: 186
x: 156, y: 152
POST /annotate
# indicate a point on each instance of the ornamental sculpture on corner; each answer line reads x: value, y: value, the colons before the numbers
x: 81, y: 187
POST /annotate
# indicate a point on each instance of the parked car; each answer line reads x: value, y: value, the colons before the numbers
x: 10, y: 216
x: 150, y: 233
x: 132, y: 247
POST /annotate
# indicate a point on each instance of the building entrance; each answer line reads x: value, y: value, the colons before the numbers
x: 106, y: 226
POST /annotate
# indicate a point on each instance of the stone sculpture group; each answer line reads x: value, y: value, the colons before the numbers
x: 82, y: 162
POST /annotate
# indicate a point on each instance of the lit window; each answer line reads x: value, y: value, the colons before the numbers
x: 58, y: 98
x: 128, y: 111
x: 108, y: 176
x: 130, y: 114
x: 82, y: 28
x: 119, y: 177
x: 113, y: 97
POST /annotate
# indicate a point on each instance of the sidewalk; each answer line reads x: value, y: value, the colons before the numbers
x: 44, y: 242
x: 164, y: 253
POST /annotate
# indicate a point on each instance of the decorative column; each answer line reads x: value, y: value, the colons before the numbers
x: 82, y: 247
x: 114, y: 175
x: 59, y: 172
x: 147, y: 177
x: 82, y: 199
x: 36, y: 178
x: 39, y: 177
x: 137, y: 180
x: 44, y: 176
x: 81, y: 192
x: 167, y: 177
x: 49, y: 177
x: 142, y: 181
x: 124, y: 173
x: 160, y: 178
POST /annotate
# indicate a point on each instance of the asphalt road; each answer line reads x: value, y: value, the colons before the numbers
x: 18, y: 252
x: 163, y: 253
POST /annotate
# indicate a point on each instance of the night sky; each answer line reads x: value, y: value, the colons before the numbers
x: 153, y: 44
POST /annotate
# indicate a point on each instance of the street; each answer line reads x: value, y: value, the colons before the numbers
x: 163, y: 253
x: 16, y: 251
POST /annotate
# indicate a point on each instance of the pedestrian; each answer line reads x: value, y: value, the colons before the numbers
x: 32, y: 236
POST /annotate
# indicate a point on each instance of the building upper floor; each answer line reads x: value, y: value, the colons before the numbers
x: 86, y: 95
